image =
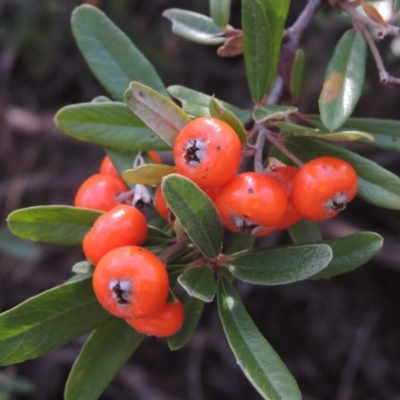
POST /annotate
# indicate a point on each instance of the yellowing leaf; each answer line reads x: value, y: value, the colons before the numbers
x: 332, y: 87
x: 373, y: 13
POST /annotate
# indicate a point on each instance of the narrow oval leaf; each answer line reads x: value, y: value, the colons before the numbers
x: 196, y: 103
x: 280, y: 265
x: 110, y: 124
x: 350, y: 252
x: 196, y: 213
x: 341, y: 135
x: 53, y: 224
x: 158, y: 112
x: 217, y: 110
x: 110, y: 54
x: 376, y: 185
x: 48, y: 321
x: 199, y: 282
x: 257, y: 49
x: 106, y: 351
x: 220, y: 12
x: 193, y: 309
x: 272, y: 112
x: 344, y: 80
x: 296, y: 75
x: 305, y: 232
x: 373, y: 13
x: 156, y: 236
x: 195, y: 27
x: 148, y: 174
x: 258, y: 360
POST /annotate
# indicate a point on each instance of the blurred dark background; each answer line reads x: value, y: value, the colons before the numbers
x: 340, y: 337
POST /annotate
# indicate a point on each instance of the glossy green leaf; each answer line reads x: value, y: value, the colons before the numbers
x: 148, y: 174
x: 257, y: 49
x: 196, y: 103
x: 53, y: 224
x: 350, y: 252
x: 48, y: 321
x: 340, y: 135
x: 217, y: 110
x: 258, y: 360
x: 220, y: 12
x: 279, y: 265
x: 296, y: 75
x: 110, y: 54
x: 194, y: 26
x: 344, y: 80
x: 17, y: 247
x: 158, y: 112
x: 109, y: 124
x: 156, y: 236
x: 106, y: 351
x: 272, y: 112
x: 195, y: 211
x: 199, y: 282
x: 376, y: 185
x: 305, y: 232
x: 240, y: 241
x: 193, y: 309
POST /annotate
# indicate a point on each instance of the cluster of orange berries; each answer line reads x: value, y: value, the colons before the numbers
x: 129, y: 281
x: 208, y: 151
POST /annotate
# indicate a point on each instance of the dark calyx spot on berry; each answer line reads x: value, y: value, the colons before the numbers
x: 250, y: 190
x: 337, y: 202
x: 218, y: 148
x: 195, y: 152
x: 121, y: 291
x: 244, y: 225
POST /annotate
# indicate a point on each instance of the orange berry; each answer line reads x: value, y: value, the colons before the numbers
x: 154, y: 157
x: 121, y: 226
x: 164, y: 322
x: 323, y: 187
x: 207, y: 151
x: 251, y: 203
x: 100, y: 192
x: 131, y: 282
x: 107, y: 167
x: 162, y: 206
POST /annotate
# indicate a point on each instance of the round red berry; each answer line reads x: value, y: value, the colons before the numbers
x: 131, y: 282
x: 323, y: 187
x: 121, y: 226
x: 207, y: 151
x: 107, y: 167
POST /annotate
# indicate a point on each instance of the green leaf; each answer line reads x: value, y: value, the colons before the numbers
x: 279, y: 265
x: 53, y: 224
x: 305, y: 232
x: 17, y: 247
x: 240, y: 241
x: 48, y: 321
x: 350, y: 252
x: 296, y: 75
x: 257, y: 49
x: 110, y: 54
x: 376, y: 185
x: 217, y: 110
x: 344, y: 80
x: 272, y: 112
x: 159, y: 113
x: 220, y: 12
x: 106, y: 351
x: 193, y: 310
x: 195, y: 27
x: 196, y: 103
x: 340, y: 135
x: 156, y: 237
x: 108, y: 124
x: 199, y: 282
x: 122, y: 159
x: 258, y: 360
x: 195, y: 211
x: 148, y: 174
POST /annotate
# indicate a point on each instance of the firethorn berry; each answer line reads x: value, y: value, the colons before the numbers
x: 323, y: 187
x: 121, y: 226
x: 154, y: 157
x: 131, y: 282
x: 285, y: 175
x: 162, y: 206
x: 107, y: 167
x: 207, y: 151
x: 164, y: 322
x: 251, y: 203
x: 100, y: 192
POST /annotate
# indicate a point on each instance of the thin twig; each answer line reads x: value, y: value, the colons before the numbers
x: 258, y: 157
x: 180, y: 244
